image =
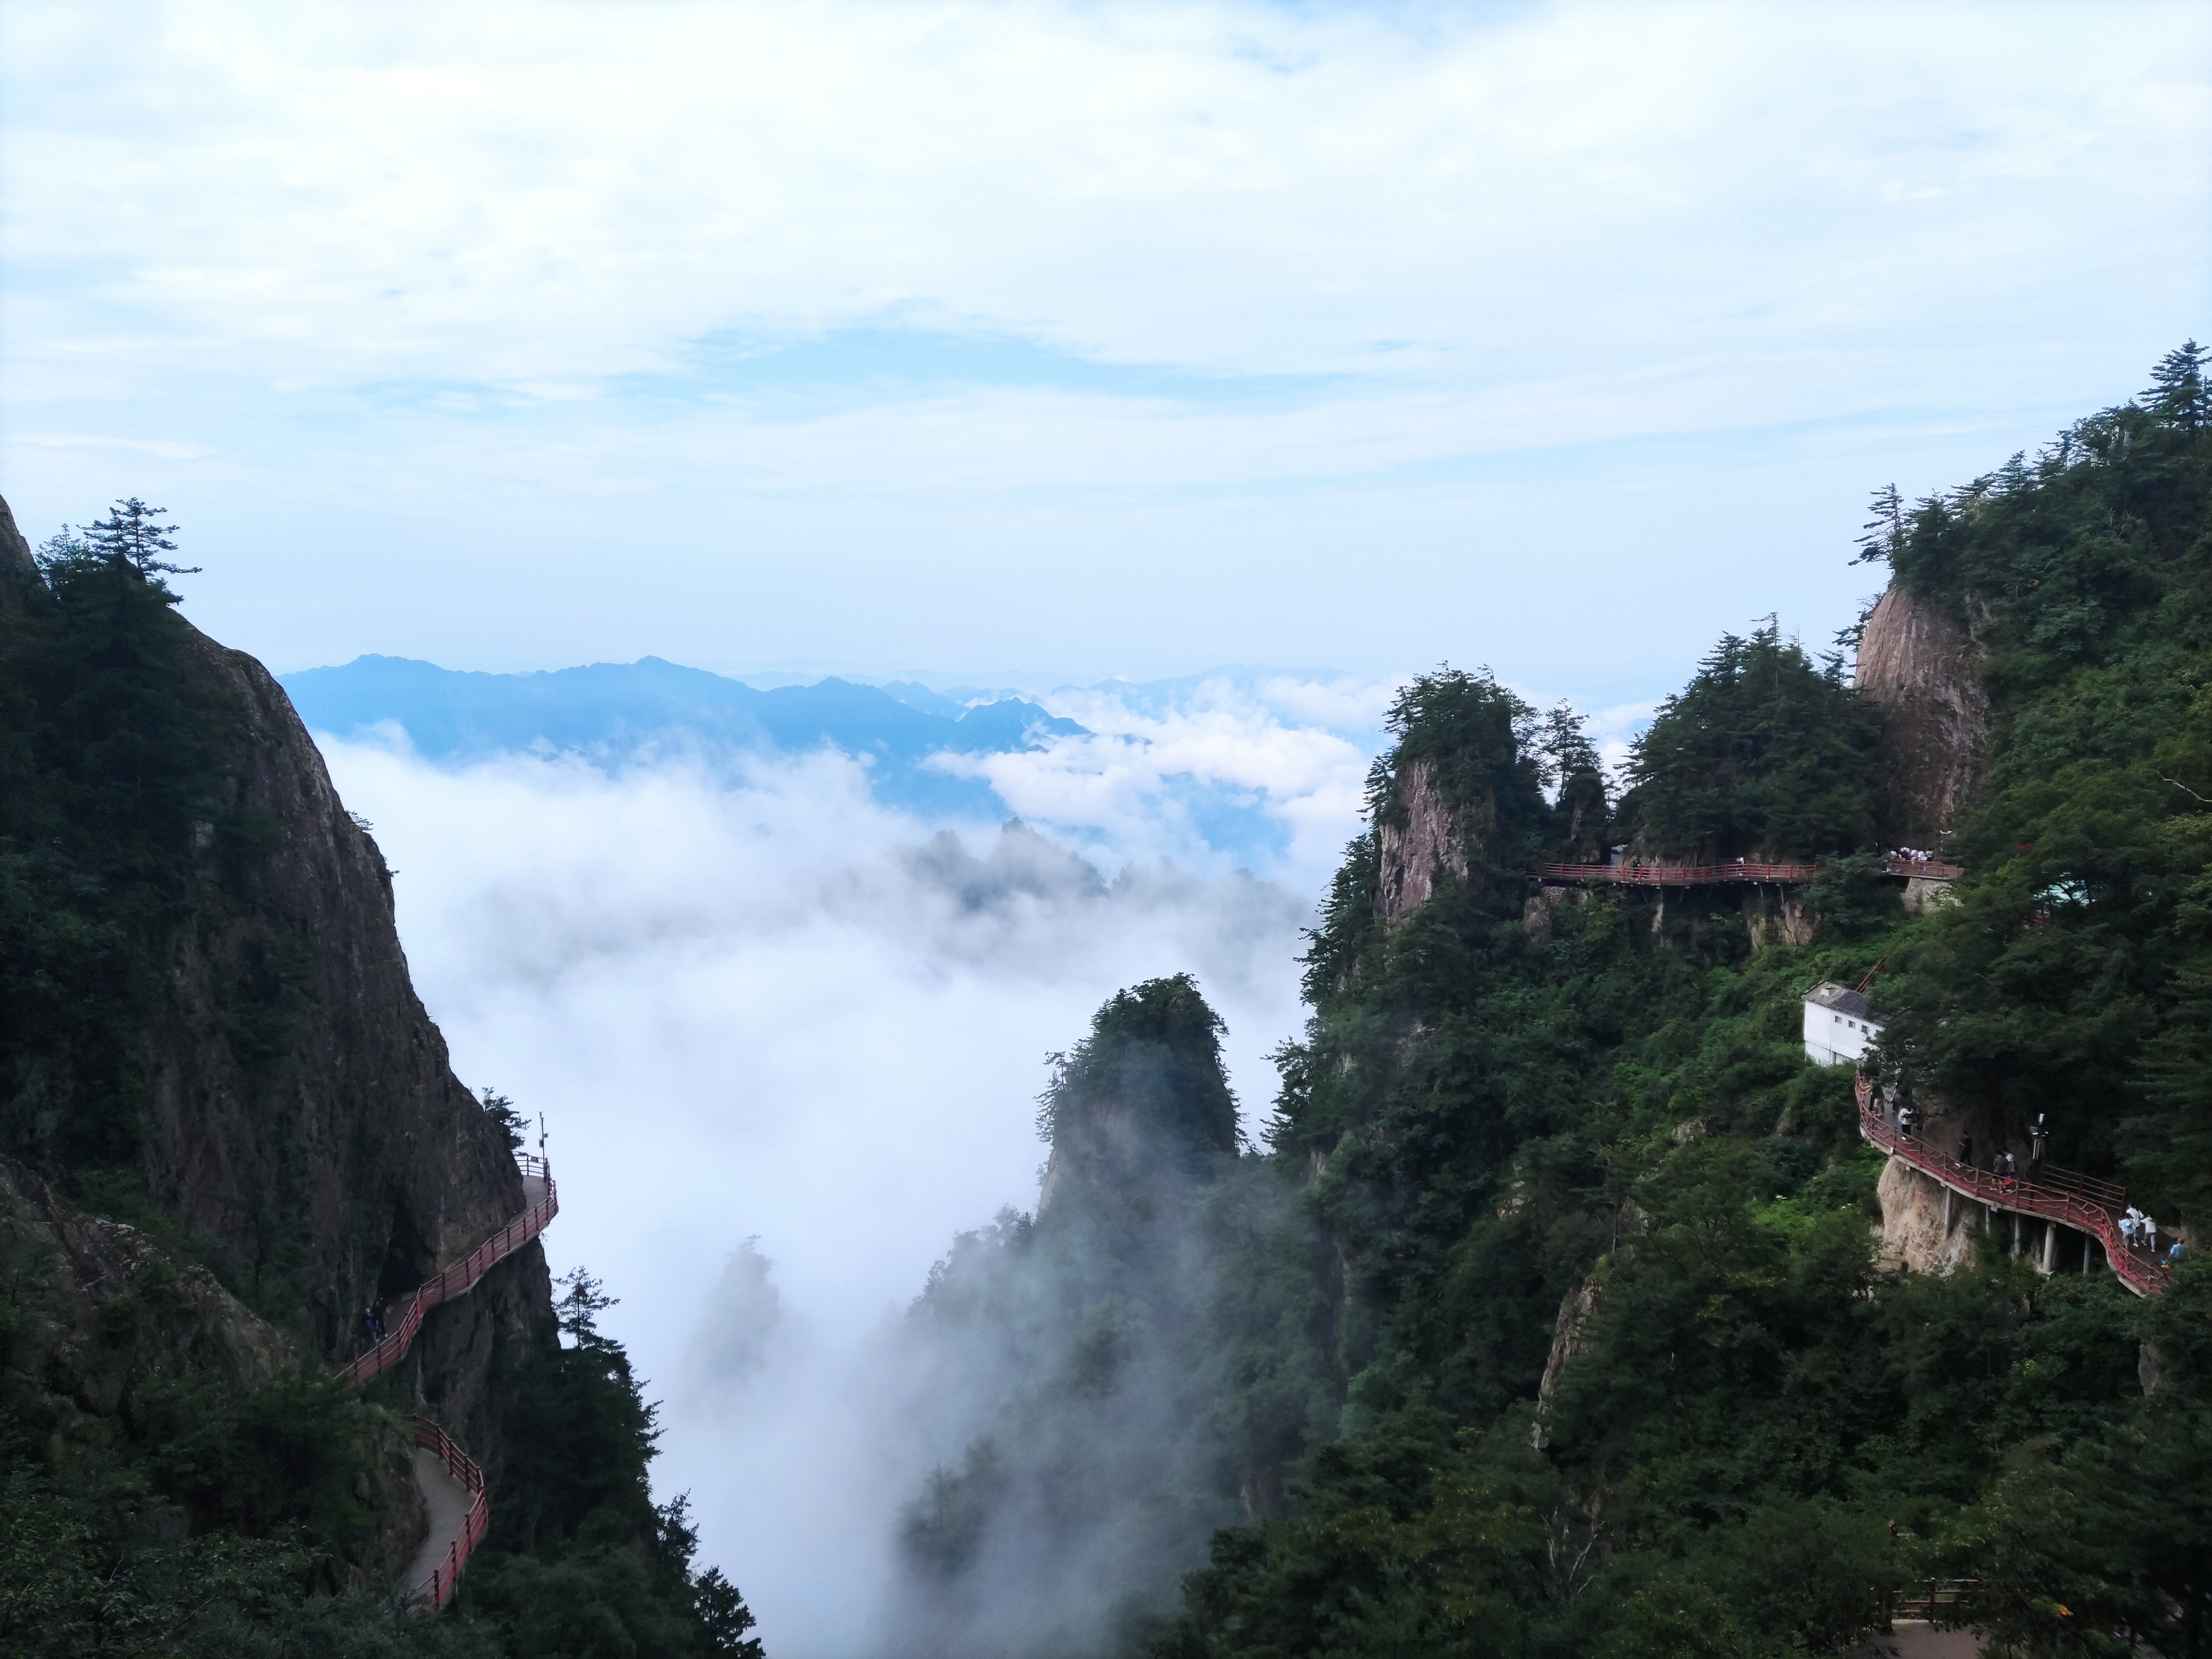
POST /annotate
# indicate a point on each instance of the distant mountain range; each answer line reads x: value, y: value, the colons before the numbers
x: 612, y: 710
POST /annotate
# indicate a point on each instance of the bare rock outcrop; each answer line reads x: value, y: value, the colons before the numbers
x: 1415, y: 854
x: 19, y: 585
x: 106, y: 1309
x: 1913, y: 1233
x: 1567, y: 1340
x: 103, y: 1316
x: 1787, y: 920
x: 1923, y: 669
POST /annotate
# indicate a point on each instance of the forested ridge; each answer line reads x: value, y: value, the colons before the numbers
x: 1549, y: 1318
x: 181, y: 1473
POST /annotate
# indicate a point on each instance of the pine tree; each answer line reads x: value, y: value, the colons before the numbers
x: 2178, y: 391
x: 134, y: 535
x: 1886, y: 529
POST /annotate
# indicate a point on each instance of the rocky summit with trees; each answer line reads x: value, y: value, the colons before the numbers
x: 1554, y: 1315
x: 229, y: 1137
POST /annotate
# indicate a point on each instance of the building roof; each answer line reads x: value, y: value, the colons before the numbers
x: 1829, y: 995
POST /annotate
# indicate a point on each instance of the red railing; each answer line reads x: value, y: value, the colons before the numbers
x: 2082, y: 1202
x: 1677, y: 875
x: 461, y: 1277
x: 437, y: 1587
x: 1707, y: 875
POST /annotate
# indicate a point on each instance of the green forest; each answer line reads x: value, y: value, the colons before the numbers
x: 1547, y: 1318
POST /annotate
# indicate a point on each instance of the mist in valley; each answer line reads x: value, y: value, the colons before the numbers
x: 789, y: 1046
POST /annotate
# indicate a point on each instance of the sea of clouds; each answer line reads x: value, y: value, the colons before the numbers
x: 787, y: 1042
x: 755, y: 1005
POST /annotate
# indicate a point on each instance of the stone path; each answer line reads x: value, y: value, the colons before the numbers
x: 448, y: 1502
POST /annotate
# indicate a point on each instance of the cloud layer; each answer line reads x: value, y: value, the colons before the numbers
x: 1120, y: 337
x: 767, y: 1009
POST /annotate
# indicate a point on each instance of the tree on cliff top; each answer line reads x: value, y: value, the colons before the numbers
x: 132, y: 537
x: 1763, y: 753
x: 1151, y: 1065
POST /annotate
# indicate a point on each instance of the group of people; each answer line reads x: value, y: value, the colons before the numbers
x: 2137, y: 1229
x: 372, y: 1322
x: 1912, y: 855
x: 2141, y: 1233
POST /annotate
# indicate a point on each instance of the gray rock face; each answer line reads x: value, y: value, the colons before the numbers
x: 1415, y: 854
x: 359, y: 1136
x: 1923, y: 669
x: 19, y: 572
x: 331, y: 1159
x: 1913, y: 1231
x: 102, y: 1314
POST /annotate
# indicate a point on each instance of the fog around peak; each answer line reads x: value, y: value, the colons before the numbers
x: 788, y: 1042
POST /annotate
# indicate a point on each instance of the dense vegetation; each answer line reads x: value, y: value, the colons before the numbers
x: 1591, y: 1122
x: 173, y: 1512
x: 1566, y: 1334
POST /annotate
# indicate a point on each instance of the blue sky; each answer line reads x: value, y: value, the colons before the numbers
x: 1077, y: 339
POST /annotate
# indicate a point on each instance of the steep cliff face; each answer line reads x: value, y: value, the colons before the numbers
x: 287, y: 1100
x: 1418, y: 847
x: 1913, y: 1230
x: 19, y: 575
x: 1923, y: 669
x: 356, y: 1134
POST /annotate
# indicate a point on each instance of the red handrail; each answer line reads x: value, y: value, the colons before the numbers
x: 437, y: 1589
x: 1677, y: 875
x: 1706, y: 875
x: 2082, y: 1202
x: 437, y: 1586
x: 461, y: 1277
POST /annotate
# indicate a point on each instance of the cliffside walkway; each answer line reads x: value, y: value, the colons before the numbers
x: 2056, y: 1196
x: 452, y: 1486
x: 542, y: 1203
x: 1714, y: 875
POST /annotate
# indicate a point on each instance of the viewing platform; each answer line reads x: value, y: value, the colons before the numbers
x: 2058, y: 1198
x: 1638, y: 873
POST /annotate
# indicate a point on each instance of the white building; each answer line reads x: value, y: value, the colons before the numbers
x: 1836, y: 1029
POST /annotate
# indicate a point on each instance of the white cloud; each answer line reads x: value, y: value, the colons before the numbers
x: 484, y: 286
x: 770, y: 1007
x: 516, y: 193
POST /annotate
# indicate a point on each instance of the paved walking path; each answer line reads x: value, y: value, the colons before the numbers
x: 448, y: 1502
x: 450, y: 1483
x: 1915, y: 1638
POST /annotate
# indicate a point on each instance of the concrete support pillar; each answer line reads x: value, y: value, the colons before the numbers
x: 1950, y: 1208
x: 2016, y: 1232
x: 2050, y: 1245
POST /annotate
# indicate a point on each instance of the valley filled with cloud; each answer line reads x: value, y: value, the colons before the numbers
x: 770, y: 1020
